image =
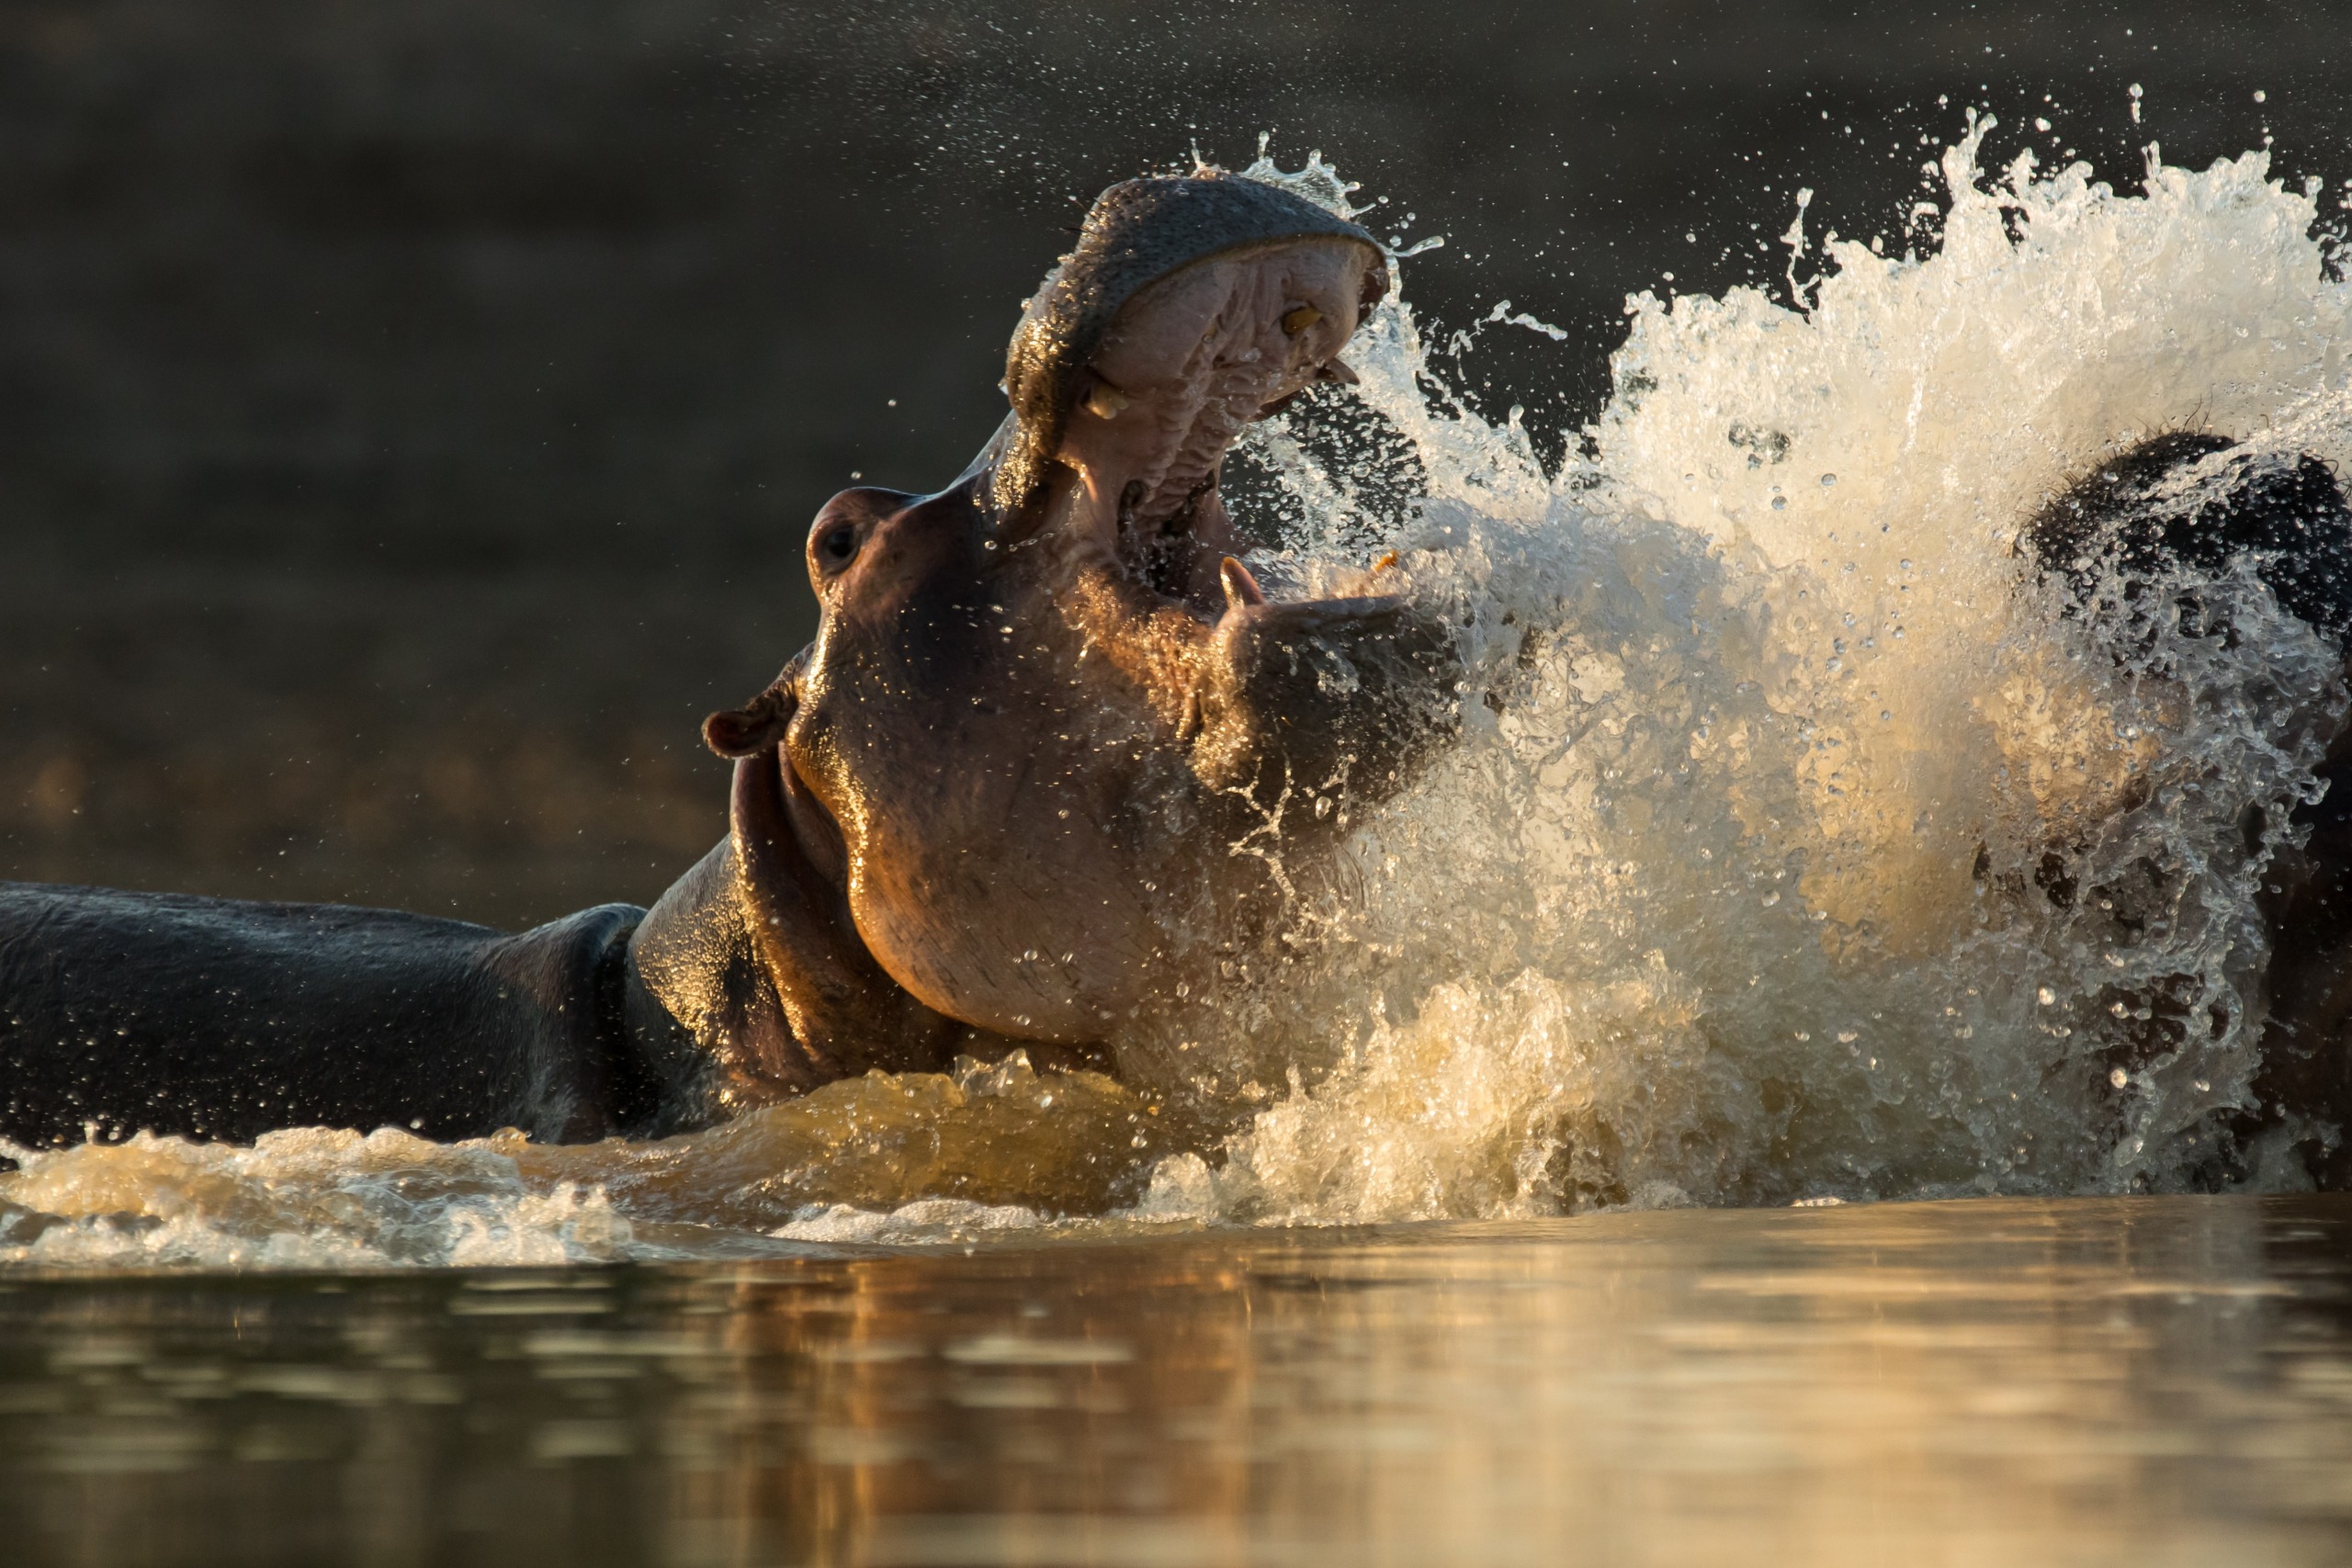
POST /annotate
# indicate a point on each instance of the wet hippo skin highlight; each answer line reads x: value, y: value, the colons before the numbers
x: 994, y: 805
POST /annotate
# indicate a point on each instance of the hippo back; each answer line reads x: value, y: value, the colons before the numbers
x: 126, y: 1012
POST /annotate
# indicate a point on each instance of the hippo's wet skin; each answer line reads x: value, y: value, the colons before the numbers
x: 1051, y: 752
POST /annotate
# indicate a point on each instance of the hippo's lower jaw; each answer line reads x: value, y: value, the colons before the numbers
x: 1330, y: 701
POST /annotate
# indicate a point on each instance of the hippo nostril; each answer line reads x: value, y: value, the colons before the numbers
x: 839, y: 545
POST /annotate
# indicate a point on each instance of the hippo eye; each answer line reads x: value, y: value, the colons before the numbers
x: 839, y: 543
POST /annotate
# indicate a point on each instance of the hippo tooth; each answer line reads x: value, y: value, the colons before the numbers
x: 1340, y: 370
x: 1299, y: 318
x: 1240, y: 588
x: 1105, y: 401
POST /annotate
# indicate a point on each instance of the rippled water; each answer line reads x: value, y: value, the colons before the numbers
x: 2091, y: 1381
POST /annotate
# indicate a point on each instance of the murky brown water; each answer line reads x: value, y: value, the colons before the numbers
x: 2092, y: 1381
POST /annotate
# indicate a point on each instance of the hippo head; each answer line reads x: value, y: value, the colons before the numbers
x: 1053, y: 743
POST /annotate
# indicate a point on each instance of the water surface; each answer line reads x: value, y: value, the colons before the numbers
x: 2145, y: 1381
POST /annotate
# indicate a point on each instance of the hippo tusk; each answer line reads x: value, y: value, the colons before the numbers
x: 1338, y: 371
x: 1106, y: 401
x: 1240, y: 588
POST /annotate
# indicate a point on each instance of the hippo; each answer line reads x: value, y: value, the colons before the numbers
x: 2131, y: 543
x: 1052, y: 752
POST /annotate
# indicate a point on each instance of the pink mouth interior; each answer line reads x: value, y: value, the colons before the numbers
x: 1196, y: 358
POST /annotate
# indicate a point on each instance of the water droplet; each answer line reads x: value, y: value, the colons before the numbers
x: 2046, y: 996
x: 1780, y: 502
x: 2260, y: 96
x: 2119, y: 1078
x: 2202, y: 1086
x: 1828, y: 480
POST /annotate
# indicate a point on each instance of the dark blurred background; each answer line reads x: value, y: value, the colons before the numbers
x: 409, y: 409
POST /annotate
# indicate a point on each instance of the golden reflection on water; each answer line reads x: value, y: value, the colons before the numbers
x: 2144, y: 1381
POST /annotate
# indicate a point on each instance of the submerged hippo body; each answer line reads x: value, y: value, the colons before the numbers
x: 1051, y: 752
x: 2131, y: 545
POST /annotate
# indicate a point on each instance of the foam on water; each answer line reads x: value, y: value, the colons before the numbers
x: 1738, y: 888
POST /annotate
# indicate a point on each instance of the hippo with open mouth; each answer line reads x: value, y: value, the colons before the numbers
x: 1052, y: 753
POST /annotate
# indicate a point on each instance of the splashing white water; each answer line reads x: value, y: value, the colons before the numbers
x: 305, y: 1199
x: 1735, y: 890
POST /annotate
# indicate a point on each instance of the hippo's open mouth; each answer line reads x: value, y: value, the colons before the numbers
x: 1185, y: 366
x: 1189, y: 308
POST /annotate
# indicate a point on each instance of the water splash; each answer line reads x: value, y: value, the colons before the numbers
x: 1743, y: 885
x: 1317, y: 182
x: 1739, y: 888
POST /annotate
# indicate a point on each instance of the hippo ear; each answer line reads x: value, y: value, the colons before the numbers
x: 753, y: 728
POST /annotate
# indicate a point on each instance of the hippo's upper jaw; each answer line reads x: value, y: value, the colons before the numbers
x: 1045, y: 705
x: 1185, y: 368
